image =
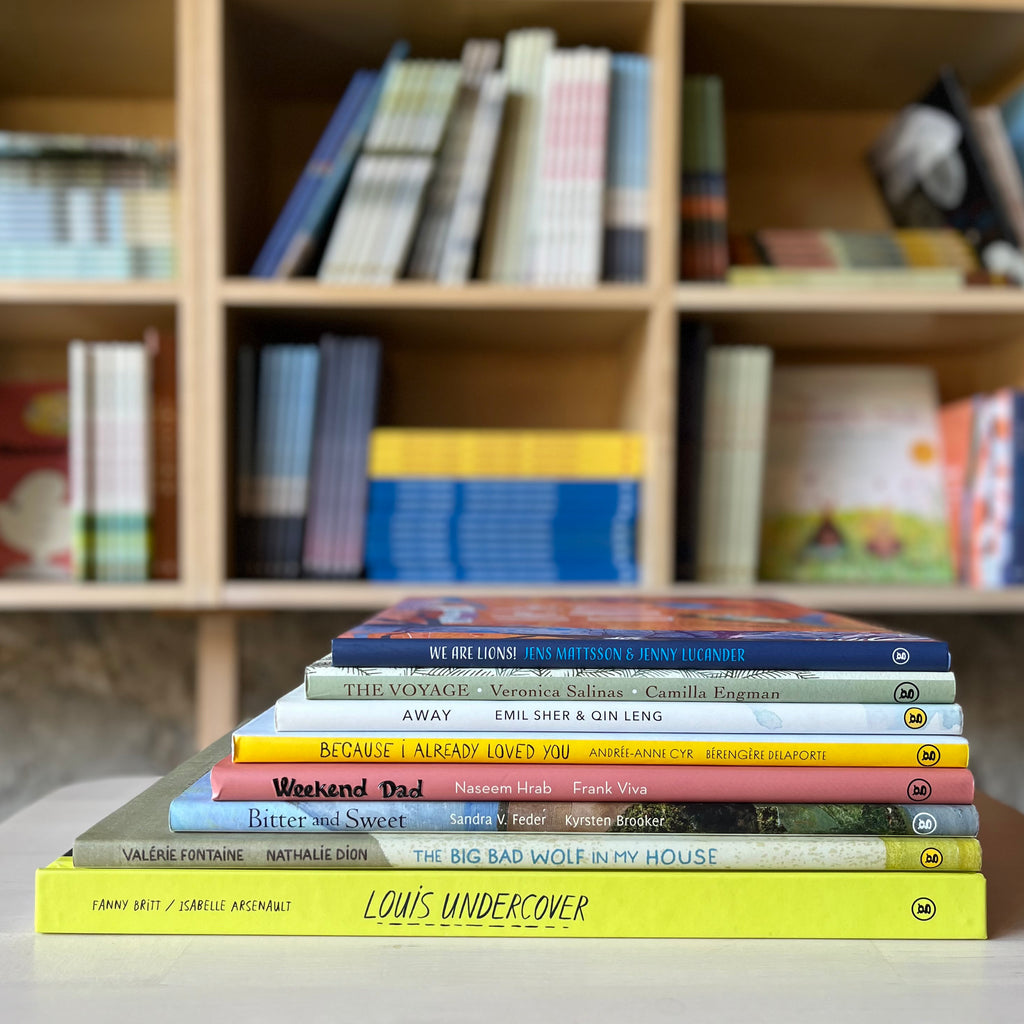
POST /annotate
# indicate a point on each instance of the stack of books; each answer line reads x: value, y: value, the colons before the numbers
x: 528, y: 166
x: 499, y: 506
x: 566, y: 768
x: 122, y: 459
x: 86, y: 207
x: 304, y: 413
x: 903, y: 258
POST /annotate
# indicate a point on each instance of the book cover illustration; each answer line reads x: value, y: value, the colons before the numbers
x: 615, y: 632
x: 854, y: 484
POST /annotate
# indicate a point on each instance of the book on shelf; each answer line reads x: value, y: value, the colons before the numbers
x: 628, y: 173
x: 502, y: 505
x: 703, y: 229
x: 504, y: 251
x: 931, y: 171
x: 162, y: 350
x: 372, y: 235
x: 35, y: 523
x: 854, y: 488
x: 297, y: 239
x: 983, y: 457
x: 737, y: 385
x: 522, y: 162
x: 920, y: 258
x: 110, y: 459
x: 466, y: 150
x: 566, y: 222
x: 304, y: 413
x: 231, y: 840
x: 86, y: 207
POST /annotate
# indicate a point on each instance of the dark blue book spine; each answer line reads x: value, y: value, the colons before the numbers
x: 309, y: 182
x: 822, y: 654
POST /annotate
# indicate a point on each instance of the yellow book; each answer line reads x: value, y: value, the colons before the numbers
x: 258, y: 741
x: 546, y: 454
x: 610, y: 904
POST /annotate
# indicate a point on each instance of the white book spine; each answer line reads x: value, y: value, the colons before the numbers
x: 294, y: 713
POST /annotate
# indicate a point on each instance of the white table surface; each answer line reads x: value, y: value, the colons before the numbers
x: 301, y: 980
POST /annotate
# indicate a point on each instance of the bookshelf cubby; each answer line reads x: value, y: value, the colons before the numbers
x: 244, y: 87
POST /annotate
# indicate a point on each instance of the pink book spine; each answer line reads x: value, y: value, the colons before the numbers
x: 252, y: 781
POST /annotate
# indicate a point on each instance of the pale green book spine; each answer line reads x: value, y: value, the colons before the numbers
x: 325, y: 681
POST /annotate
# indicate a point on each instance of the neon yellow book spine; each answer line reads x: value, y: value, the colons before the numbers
x: 571, y: 454
x: 611, y: 904
x: 538, y: 748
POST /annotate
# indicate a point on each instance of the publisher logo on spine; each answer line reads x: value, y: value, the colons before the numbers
x: 906, y: 693
x: 901, y: 656
x: 914, y: 718
x: 923, y: 908
x: 931, y: 858
x: 924, y: 824
x: 928, y: 755
x: 918, y: 790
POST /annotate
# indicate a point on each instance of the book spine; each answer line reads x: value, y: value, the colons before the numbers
x: 608, y: 748
x: 294, y: 713
x: 649, y: 904
x: 598, y: 783
x: 765, y: 685
x: 196, y: 811
x: 539, y: 851
x: 162, y: 349
x: 571, y: 652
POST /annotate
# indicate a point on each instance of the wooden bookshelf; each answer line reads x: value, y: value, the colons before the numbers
x: 244, y: 86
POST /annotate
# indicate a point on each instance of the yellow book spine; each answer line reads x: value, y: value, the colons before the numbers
x: 539, y: 749
x: 532, y: 904
x: 577, y: 454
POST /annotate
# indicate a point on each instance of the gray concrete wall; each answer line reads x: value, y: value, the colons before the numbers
x: 84, y: 695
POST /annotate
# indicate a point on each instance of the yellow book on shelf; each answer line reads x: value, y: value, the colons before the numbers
x: 476, y: 454
x: 531, y: 904
x: 257, y: 741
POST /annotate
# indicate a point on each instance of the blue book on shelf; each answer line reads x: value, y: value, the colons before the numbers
x: 308, y: 240
x: 317, y: 170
